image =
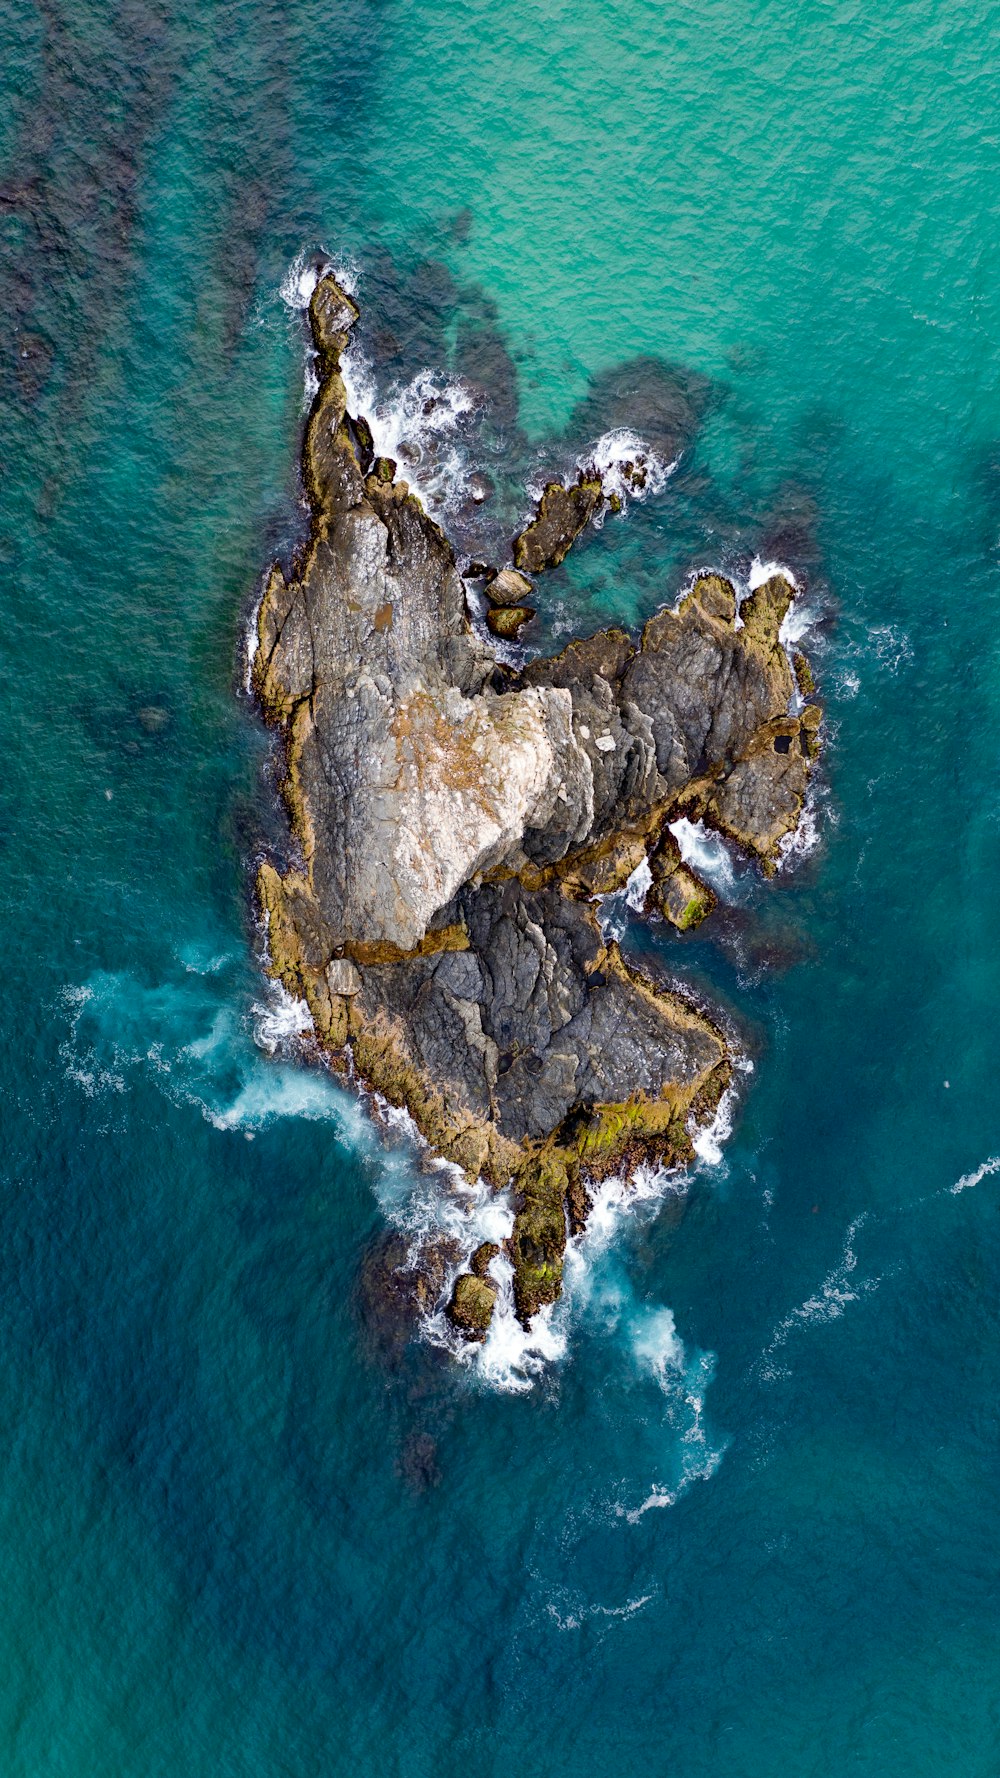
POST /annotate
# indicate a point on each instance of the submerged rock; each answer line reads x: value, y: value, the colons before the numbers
x: 452, y: 821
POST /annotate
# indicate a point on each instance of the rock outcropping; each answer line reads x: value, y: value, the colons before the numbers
x: 454, y: 820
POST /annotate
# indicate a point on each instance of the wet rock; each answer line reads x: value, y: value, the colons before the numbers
x: 562, y: 514
x: 480, y: 488
x: 685, y: 900
x: 364, y: 443
x: 397, y: 1285
x: 486, y: 1252
x: 471, y: 1305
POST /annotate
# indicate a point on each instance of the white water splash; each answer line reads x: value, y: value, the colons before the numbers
x: 761, y: 571
x: 613, y: 910
x: 708, y: 856
x: 709, y: 1140
x: 617, y: 455
x: 804, y: 837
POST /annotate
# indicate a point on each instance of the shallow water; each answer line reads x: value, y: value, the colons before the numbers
x: 741, y: 1522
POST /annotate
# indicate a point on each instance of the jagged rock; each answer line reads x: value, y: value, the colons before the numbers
x: 343, y: 977
x: 803, y: 674
x: 452, y: 820
x: 471, y: 1306
x: 509, y: 588
x: 562, y: 514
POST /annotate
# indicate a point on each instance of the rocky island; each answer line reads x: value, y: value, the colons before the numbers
x: 455, y: 819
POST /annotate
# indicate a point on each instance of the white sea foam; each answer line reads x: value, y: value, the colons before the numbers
x: 579, y: 1613
x: 761, y: 571
x: 417, y: 425
x: 709, y: 1140
x: 192, y: 1034
x: 613, y: 910
x: 613, y: 452
x: 683, y: 1379
x: 804, y: 837
x: 889, y: 646
x: 708, y: 855
x: 968, y: 1180
x: 279, y: 1019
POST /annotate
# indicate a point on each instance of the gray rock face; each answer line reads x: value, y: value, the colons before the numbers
x: 452, y: 824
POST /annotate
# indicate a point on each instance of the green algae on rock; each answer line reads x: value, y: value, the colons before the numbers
x: 507, y: 621
x: 436, y: 914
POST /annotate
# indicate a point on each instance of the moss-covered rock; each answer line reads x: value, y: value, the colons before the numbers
x: 451, y: 822
x: 803, y: 675
x: 472, y: 1303
x: 507, y: 621
x: 538, y: 1240
x: 685, y: 900
x: 483, y: 1257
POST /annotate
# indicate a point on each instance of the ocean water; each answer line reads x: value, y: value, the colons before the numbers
x: 733, y: 1515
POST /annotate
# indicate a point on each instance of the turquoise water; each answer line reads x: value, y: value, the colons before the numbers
x: 745, y: 1523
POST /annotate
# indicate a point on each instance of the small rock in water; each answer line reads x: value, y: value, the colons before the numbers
x: 506, y: 621
x: 488, y: 1250
x: 153, y: 718
x: 562, y: 514
x: 471, y: 1306
x: 509, y: 588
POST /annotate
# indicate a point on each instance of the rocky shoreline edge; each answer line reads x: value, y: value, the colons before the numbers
x: 453, y: 821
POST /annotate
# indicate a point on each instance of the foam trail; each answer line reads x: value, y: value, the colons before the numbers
x: 575, y: 1618
x: 838, y: 1289
x: 968, y: 1180
x: 683, y: 1380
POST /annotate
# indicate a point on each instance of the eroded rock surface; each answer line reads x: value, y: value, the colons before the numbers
x: 453, y: 822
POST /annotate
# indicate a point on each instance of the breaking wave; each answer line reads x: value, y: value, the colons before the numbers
x: 417, y: 424
x: 627, y: 465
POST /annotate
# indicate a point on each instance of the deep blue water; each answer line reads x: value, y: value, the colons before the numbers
x: 744, y: 1524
